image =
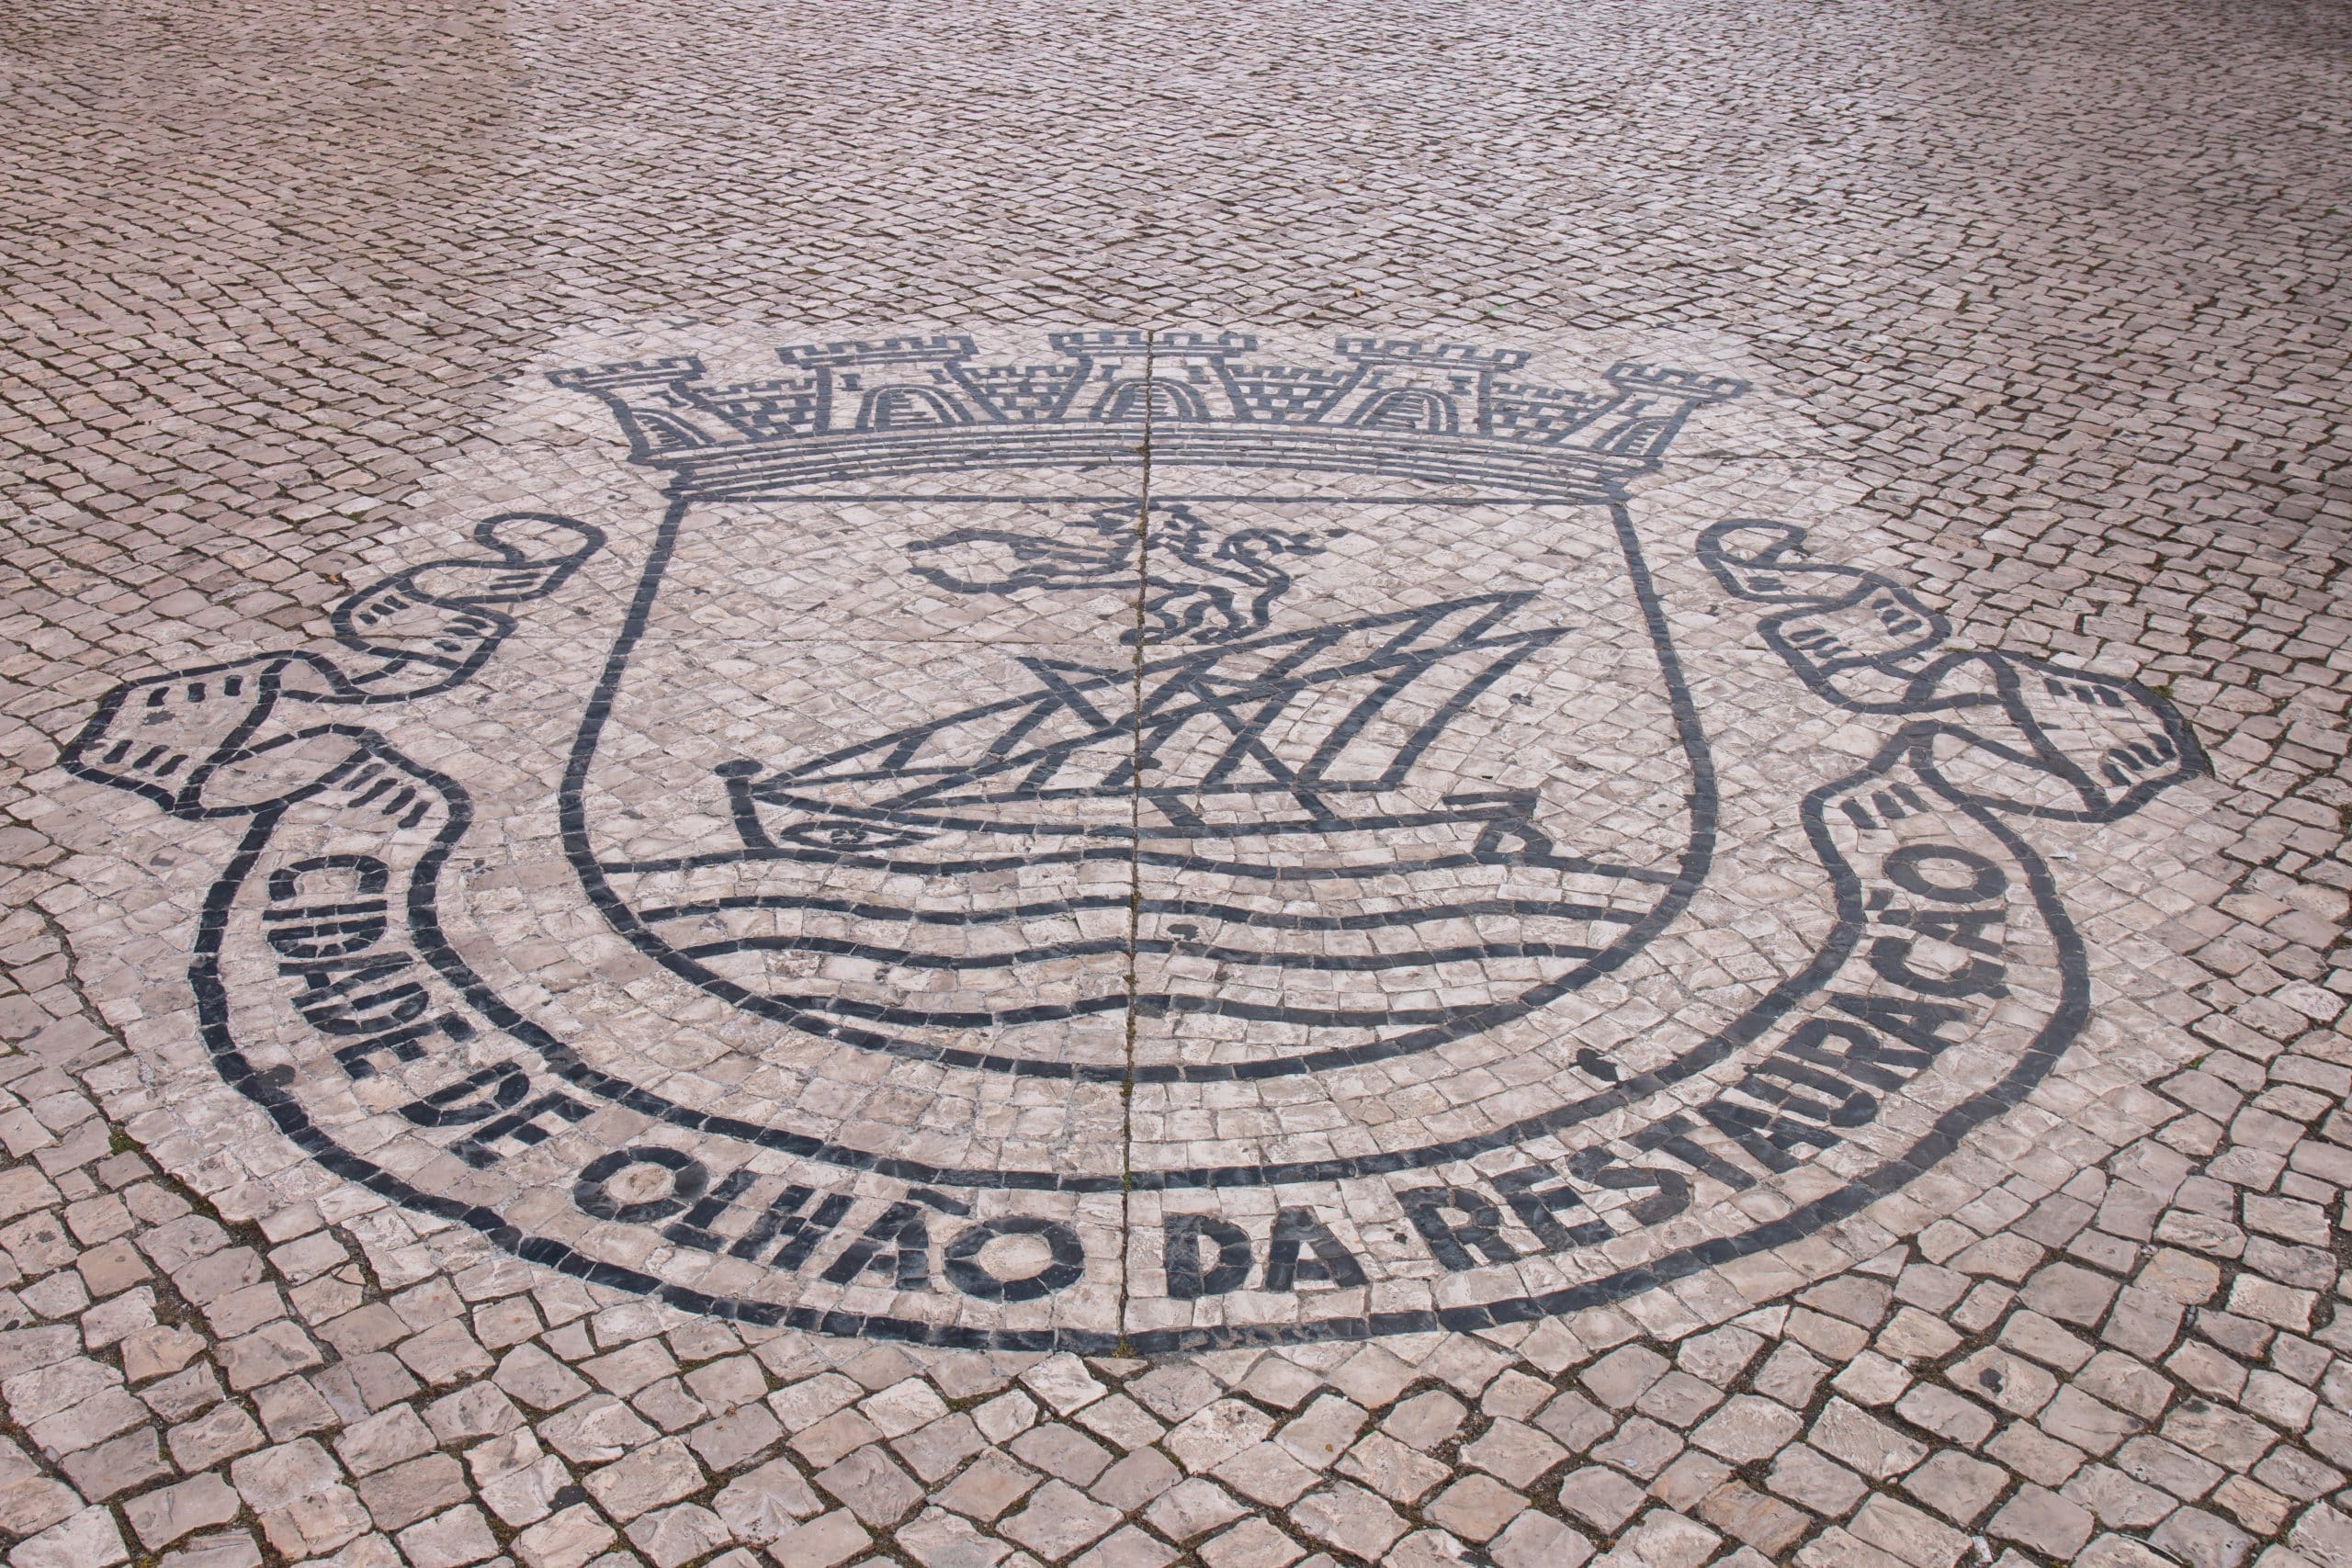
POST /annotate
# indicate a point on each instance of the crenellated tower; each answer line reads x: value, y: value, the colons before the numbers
x: 1400, y: 407
x: 898, y: 383
x: 1403, y: 385
x: 1648, y: 411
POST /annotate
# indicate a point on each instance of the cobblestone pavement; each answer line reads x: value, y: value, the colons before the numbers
x: 1500, y: 785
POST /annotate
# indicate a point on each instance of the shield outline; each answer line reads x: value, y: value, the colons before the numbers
x: 855, y: 1025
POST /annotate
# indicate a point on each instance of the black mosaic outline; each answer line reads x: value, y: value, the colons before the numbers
x: 1229, y: 593
x: 267, y: 1089
x: 1403, y: 407
x: 1915, y: 746
x: 1770, y: 1010
x: 845, y: 1021
x: 471, y: 633
x: 1779, y: 571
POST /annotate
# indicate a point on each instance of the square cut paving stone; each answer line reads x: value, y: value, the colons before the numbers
x: 1519, y: 1454
x: 1575, y: 1420
x: 1428, y: 1419
x: 1389, y: 1468
x: 89, y: 1537
x: 164, y: 1516
x: 1128, y: 1548
x: 838, y: 1435
x: 2034, y: 1454
x: 1719, y: 1355
x: 2226, y: 1437
x: 2124, y: 1384
x: 1641, y: 1447
x: 1908, y: 1533
x: 1174, y: 1390
x: 1839, y: 1548
x: 1136, y: 1480
x: 1280, y: 1381
x: 1859, y: 1300
x: 1620, y: 1378
x: 2297, y: 1475
x: 1000, y: 1419
x: 903, y: 1406
x: 875, y: 1489
x: 462, y: 1536
x: 1535, y: 1541
x: 1475, y: 1508
x: 662, y: 1473
x: 1063, y: 1383
x: 1955, y: 1486
x: 408, y: 1491
x: 1348, y: 1519
x: 2006, y: 1382
x: 1872, y: 1380
x: 1667, y: 1540
x: 108, y: 1469
x: 822, y: 1542
x: 1600, y: 1496
x: 2070, y: 1294
x: 1192, y: 1509
x: 1748, y: 1516
x: 2116, y: 1500
x: 1804, y: 1474
x: 1267, y: 1474
x: 1254, y: 1543
x: 1689, y: 1479
x: 1912, y: 1334
x: 734, y: 1439
x: 1748, y: 1429
x: 1062, y: 1453
x: 1835, y: 1337
x: 1865, y: 1442
x: 1678, y: 1399
x: 1121, y: 1422
x: 383, y: 1440
x: 2045, y: 1340
x: 1215, y: 1433
x: 1946, y: 1414
x: 989, y: 1486
x: 1789, y: 1375
x: 2075, y: 1418
x: 1321, y: 1432
x: 1515, y: 1396
x: 761, y: 1504
x: 227, y: 1549
x: 1058, y: 1520
x: 2043, y: 1521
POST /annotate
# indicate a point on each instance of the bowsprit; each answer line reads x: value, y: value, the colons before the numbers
x: 1158, y: 844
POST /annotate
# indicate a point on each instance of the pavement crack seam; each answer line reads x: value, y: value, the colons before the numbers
x: 1134, y: 830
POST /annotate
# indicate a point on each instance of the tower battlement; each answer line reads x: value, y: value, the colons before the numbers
x: 1658, y: 378
x: 880, y: 351
x: 1401, y: 406
x: 1412, y: 351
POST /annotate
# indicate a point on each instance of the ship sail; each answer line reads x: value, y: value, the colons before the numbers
x: 1292, y: 834
x: 1308, y: 732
